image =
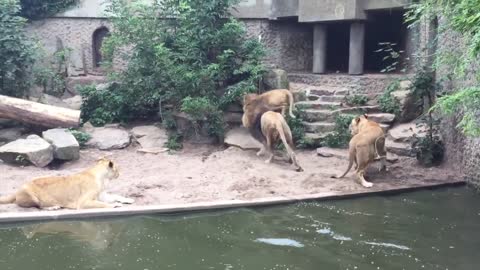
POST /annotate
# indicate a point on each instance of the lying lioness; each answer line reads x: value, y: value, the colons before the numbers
x: 267, y: 127
x: 367, y: 143
x: 77, y: 191
x: 281, y: 98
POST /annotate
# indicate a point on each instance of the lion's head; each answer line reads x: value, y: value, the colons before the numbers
x: 111, y: 168
x: 355, y: 124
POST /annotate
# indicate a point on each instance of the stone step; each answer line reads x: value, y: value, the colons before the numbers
x: 386, y: 118
x: 316, y: 137
x: 398, y: 148
x: 319, y: 127
x: 319, y: 105
x: 359, y: 110
x: 335, y: 98
x: 314, y: 115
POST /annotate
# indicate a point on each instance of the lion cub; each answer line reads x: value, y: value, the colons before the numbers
x: 281, y: 98
x: 267, y: 127
x: 367, y: 143
x: 77, y: 191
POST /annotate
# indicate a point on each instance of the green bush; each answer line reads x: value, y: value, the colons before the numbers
x: 340, y: 137
x: 36, y: 9
x: 81, y: 137
x: 389, y: 103
x: 298, y: 129
x: 202, y: 58
x: 356, y: 100
x: 16, y: 51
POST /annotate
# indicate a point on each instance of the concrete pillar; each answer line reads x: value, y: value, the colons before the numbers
x: 357, y: 48
x: 319, y: 48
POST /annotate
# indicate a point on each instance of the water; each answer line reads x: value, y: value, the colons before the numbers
x: 423, y: 230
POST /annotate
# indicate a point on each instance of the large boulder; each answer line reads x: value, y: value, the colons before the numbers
x: 409, y: 104
x: 33, y: 149
x: 276, y: 79
x: 403, y: 133
x: 152, y: 139
x: 240, y: 137
x: 109, y: 137
x: 65, y: 146
x: 51, y: 100
x: 384, y: 118
x: 74, y: 103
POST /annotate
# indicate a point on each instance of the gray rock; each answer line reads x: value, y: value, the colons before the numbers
x: 51, y: 100
x: 276, y: 79
x: 152, y: 139
x: 240, y: 137
x: 11, y: 134
x: 398, y: 148
x: 33, y: 149
x: 409, y: 106
x: 106, y: 138
x: 74, y: 103
x: 404, y: 132
x: 384, y: 118
x: 332, y: 152
x: 65, y: 146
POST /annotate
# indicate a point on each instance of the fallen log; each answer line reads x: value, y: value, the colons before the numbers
x: 38, y: 114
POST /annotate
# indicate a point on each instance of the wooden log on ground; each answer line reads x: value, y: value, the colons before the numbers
x: 38, y: 114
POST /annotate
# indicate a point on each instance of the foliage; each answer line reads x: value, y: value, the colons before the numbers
x: 356, y: 100
x: 99, y: 106
x: 340, y: 137
x: 51, y: 73
x: 461, y: 17
x: 81, y: 137
x: 298, y: 129
x: 392, y: 56
x: 16, y: 51
x: 387, y: 102
x: 202, y: 59
x: 174, y: 141
x: 429, y: 150
x: 36, y: 9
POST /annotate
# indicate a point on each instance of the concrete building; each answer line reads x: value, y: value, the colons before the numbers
x: 307, y: 36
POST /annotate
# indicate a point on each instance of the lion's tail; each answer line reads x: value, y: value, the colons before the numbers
x: 8, y: 199
x: 286, y: 137
x: 351, y: 158
x: 292, y: 103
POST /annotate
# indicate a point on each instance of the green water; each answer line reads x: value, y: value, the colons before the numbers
x: 437, y: 229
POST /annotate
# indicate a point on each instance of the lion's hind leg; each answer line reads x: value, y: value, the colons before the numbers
x: 26, y: 198
x: 269, y: 148
x: 362, y: 165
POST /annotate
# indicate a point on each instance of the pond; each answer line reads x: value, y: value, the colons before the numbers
x: 433, y: 229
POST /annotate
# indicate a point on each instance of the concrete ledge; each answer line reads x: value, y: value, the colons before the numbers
x: 13, y: 217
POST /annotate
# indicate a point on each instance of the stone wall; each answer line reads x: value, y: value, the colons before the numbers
x: 289, y: 44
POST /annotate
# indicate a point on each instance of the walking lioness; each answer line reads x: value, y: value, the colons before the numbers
x: 367, y: 143
x: 267, y: 127
x: 280, y: 98
x: 77, y: 191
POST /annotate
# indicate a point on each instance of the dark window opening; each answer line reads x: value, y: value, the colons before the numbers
x: 384, y: 26
x: 98, y: 37
x: 338, y: 46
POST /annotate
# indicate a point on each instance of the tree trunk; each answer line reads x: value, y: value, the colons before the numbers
x: 37, y: 113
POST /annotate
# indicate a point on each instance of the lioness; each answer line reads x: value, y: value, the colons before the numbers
x: 77, y: 191
x: 367, y: 143
x: 267, y: 127
x: 281, y: 98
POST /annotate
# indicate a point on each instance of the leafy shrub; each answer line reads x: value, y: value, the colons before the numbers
x: 340, y: 137
x: 389, y: 103
x: 202, y: 58
x: 81, y: 137
x: 356, y: 100
x: 174, y: 141
x: 16, y: 51
x: 298, y: 129
x: 428, y: 150
x: 51, y: 72
x: 36, y: 9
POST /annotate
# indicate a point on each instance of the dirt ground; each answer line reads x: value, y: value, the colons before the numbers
x: 208, y: 173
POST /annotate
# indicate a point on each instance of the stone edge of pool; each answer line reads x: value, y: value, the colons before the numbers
x: 13, y: 217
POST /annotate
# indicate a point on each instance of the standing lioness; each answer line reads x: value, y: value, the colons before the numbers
x: 367, y: 143
x: 281, y: 98
x: 77, y: 191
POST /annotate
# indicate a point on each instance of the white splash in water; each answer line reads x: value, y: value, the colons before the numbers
x: 387, y: 245
x: 340, y: 237
x: 324, y: 231
x: 280, y: 242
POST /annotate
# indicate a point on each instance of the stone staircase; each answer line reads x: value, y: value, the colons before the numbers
x: 322, y: 103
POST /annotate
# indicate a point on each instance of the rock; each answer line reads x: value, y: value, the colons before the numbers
x: 233, y: 117
x: 33, y: 149
x: 106, y: 138
x: 152, y: 139
x: 11, y: 134
x: 240, y: 137
x: 276, y: 79
x: 65, y: 146
x: 404, y: 132
x: 384, y: 118
x: 409, y: 106
x: 398, y: 148
x: 196, y: 135
x: 87, y: 127
x: 51, y: 100
x: 74, y: 103
x: 332, y: 152
x: 154, y: 151
x: 405, y: 85
x: 74, y: 82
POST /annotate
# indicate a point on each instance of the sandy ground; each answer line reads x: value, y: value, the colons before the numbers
x: 207, y: 173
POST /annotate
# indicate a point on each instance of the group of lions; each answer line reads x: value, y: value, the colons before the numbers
x: 263, y: 116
